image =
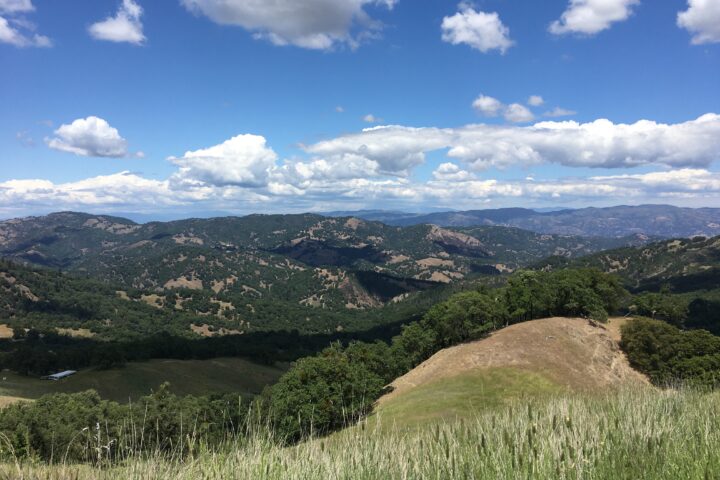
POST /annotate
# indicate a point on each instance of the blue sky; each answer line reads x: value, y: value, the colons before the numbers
x: 125, y: 105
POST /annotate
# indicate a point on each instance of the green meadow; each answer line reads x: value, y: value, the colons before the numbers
x: 186, y: 377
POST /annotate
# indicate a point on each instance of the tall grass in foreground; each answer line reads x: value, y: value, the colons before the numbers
x: 628, y: 435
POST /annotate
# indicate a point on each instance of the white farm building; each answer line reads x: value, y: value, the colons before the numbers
x: 61, y: 375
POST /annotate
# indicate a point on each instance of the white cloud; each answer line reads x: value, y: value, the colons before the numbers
x: 395, y: 149
x: 480, y: 30
x: 488, y: 106
x: 370, y: 118
x: 601, y: 143
x: 535, y: 101
x: 16, y: 6
x: 125, y: 26
x: 450, y: 172
x: 518, y: 113
x: 374, y: 166
x: 682, y: 180
x: 89, y: 137
x: 589, y: 17
x: 683, y: 183
x: 16, y: 32
x: 340, y: 109
x: 450, y: 186
x: 313, y: 24
x: 515, y: 112
x: 559, y: 112
x: 702, y: 19
x: 123, y: 190
x: 243, y: 161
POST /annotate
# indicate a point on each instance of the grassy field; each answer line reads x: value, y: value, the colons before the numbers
x: 634, y: 434
x: 462, y: 395
x: 188, y: 377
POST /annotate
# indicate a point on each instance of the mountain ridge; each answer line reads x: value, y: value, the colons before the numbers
x: 655, y: 220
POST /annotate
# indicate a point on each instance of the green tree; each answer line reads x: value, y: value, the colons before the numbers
x: 321, y: 394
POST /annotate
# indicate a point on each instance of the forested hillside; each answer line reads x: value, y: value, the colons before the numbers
x: 682, y: 265
x: 242, y: 269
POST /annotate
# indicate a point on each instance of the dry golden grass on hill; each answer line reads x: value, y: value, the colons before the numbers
x: 568, y: 353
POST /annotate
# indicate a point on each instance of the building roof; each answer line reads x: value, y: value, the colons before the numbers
x: 64, y: 374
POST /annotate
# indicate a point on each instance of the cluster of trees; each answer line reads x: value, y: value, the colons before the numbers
x: 684, y: 311
x: 687, y: 311
x: 82, y: 427
x: 43, y: 352
x: 668, y: 354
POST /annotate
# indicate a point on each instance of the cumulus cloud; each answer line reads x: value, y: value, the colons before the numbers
x: 686, y: 183
x: 683, y: 180
x: 374, y: 166
x: 589, y: 17
x: 480, y: 30
x: 450, y: 185
x: 21, y: 34
x: 536, y: 101
x: 488, y: 106
x: 450, y: 172
x: 313, y: 24
x: 370, y: 118
x: 89, y: 137
x: 125, y: 26
x: 517, y: 113
x: 16, y: 6
x: 244, y: 161
x: 123, y: 189
x: 600, y: 143
x: 394, y: 149
x: 702, y: 20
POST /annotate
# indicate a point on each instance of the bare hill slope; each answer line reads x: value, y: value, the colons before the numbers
x: 537, y: 357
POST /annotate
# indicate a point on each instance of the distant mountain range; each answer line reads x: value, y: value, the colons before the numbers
x: 249, y: 268
x: 664, y: 221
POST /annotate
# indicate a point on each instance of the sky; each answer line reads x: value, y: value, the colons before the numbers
x: 165, y: 109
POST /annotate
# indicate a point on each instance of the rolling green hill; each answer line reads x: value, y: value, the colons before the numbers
x: 239, y: 272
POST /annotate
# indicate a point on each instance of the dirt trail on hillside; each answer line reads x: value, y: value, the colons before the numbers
x: 571, y: 352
